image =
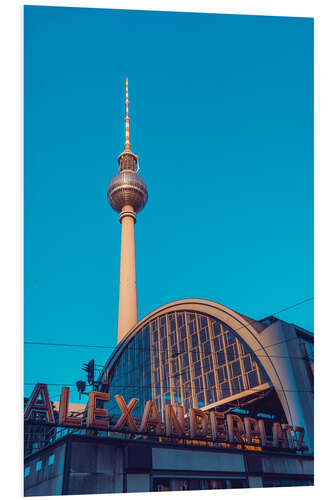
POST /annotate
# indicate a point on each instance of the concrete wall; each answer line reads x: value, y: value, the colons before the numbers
x: 84, y: 466
x: 49, y: 479
x: 173, y: 459
x: 95, y: 468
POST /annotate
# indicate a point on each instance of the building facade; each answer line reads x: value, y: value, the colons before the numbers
x: 77, y: 464
x: 191, y: 362
x: 198, y: 353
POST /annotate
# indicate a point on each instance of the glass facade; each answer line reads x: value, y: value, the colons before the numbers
x: 186, y: 358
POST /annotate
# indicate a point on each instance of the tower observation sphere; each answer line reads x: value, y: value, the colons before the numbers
x: 127, y: 187
x: 127, y: 195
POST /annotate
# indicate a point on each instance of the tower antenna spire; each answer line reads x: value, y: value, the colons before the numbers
x: 127, y: 120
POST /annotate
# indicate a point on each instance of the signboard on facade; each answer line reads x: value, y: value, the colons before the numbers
x: 198, y: 424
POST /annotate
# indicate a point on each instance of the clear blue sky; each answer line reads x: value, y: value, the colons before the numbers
x: 221, y: 111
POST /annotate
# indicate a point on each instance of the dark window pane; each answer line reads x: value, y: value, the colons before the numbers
x: 191, y: 328
x: 198, y: 384
x: 202, y: 321
x: 180, y: 319
x: 225, y: 390
x: 184, y: 360
x: 194, y: 340
x: 203, y: 335
x: 235, y: 386
x: 217, y: 345
x: 229, y: 337
x: 210, y: 380
x: 197, y: 369
x: 235, y: 369
x: 211, y: 395
x: 206, y: 348
x: 182, y: 332
x: 195, y: 355
x: 253, y: 378
x: 230, y: 353
x: 216, y: 329
x: 207, y: 364
x: 247, y: 363
x: 220, y: 358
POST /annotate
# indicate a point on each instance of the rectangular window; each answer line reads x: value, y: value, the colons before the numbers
x: 198, y: 384
x: 216, y: 329
x: 172, y: 339
x: 194, y: 340
x: 220, y: 358
x: 174, y: 365
x: 187, y: 389
x: 180, y: 319
x: 182, y: 332
x: 207, y: 364
x: 197, y: 369
x: 220, y: 375
x: 51, y: 459
x: 218, y: 343
x: 202, y: 321
x: 191, y: 327
x: 186, y: 375
x: 210, y: 380
x: 230, y: 353
x: 184, y: 360
x: 26, y: 471
x: 201, y: 399
x: 247, y: 363
x: 229, y: 337
x: 235, y: 386
x: 203, y: 335
x: 235, y: 369
x: 38, y: 465
x: 225, y: 390
x: 253, y: 379
x: 195, y: 355
x: 206, y: 348
x: 211, y: 395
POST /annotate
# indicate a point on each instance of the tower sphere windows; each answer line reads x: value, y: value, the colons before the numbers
x: 127, y: 188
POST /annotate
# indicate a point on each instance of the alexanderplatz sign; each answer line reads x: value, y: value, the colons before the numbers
x: 213, y: 425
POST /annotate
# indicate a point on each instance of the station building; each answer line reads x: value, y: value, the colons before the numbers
x: 188, y: 354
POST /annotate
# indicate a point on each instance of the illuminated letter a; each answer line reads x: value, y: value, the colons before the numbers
x: 44, y: 406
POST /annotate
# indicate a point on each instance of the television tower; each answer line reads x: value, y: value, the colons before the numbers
x: 127, y: 194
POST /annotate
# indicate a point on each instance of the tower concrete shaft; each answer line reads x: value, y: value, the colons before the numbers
x: 128, y: 310
x: 127, y: 194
